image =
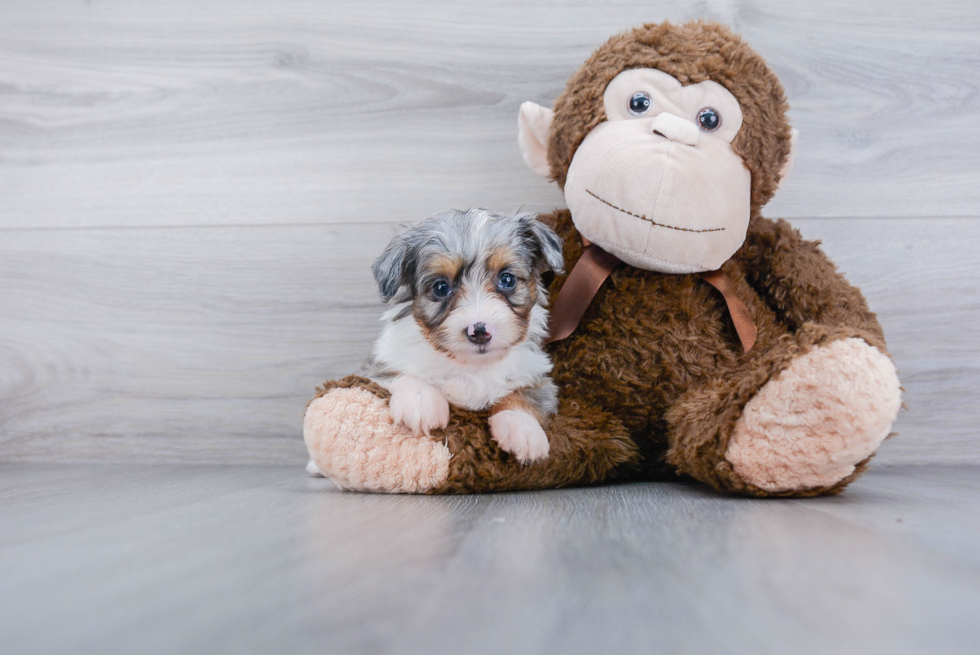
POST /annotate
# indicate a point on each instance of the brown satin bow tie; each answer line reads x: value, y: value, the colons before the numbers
x: 592, y: 269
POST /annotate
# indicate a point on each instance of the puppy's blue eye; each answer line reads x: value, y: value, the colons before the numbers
x: 639, y: 103
x: 506, y: 282
x: 441, y: 289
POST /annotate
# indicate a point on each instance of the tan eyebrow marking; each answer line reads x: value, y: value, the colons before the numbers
x: 446, y: 266
x: 500, y: 259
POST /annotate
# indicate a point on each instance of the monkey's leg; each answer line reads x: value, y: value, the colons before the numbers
x: 800, y: 419
x: 353, y: 441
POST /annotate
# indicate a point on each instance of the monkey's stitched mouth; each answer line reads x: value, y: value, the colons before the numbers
x: 650, y: 220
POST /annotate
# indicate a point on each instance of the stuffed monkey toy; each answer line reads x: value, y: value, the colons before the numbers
x: 692, y: 336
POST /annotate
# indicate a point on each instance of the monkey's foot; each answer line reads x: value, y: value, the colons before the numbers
x: 812, y: 424
x: 353, y: 440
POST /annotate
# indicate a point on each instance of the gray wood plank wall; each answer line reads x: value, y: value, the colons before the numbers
x: 190, y: 195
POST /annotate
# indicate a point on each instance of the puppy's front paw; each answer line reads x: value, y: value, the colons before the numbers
x: 520, y: 434
x: 417, y: 405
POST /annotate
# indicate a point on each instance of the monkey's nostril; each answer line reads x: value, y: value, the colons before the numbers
x: 477, y: 333
x: 675, y: 129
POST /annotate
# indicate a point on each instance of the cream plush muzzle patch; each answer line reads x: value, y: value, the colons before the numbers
x: 652, y: 185
x: 659, y: 204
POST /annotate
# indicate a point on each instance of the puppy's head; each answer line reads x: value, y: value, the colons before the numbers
x: 471, y: 280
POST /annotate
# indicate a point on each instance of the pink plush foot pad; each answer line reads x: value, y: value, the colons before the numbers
x: 352, y: 439
x: 809, y: 426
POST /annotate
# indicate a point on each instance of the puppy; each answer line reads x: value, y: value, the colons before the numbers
x: 466, y: 323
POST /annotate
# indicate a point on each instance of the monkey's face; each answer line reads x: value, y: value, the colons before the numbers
x: 658, y: 184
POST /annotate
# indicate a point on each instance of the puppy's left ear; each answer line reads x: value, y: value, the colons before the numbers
x: 389, y: 268
x: 548, y: 244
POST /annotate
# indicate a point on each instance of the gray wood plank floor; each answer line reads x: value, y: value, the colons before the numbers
x: 219, y: 559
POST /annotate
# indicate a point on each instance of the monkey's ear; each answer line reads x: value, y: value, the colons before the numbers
x: 788, y: 165
x: 533, y: 132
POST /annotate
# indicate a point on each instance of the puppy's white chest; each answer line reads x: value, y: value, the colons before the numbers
x: 474, y: 392
x: 402, y: 349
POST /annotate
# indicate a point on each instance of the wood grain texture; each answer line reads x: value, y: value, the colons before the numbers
x: 920, y: 276
x: 181, y: 343
x: 294, y: 111
x: 103, y: 559
x: 204, y: 344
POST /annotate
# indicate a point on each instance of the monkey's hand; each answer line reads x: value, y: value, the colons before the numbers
x: 519, y: 433
x: 417, y: 405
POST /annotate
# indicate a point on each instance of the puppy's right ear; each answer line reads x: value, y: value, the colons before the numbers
x: 389, y: 268
x: 533, y: 134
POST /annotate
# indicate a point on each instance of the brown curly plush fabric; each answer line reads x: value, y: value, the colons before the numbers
x: 588, y: 445
x: 692, y: 52
x: 661, y: 350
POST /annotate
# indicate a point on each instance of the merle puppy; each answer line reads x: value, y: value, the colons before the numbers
x: 466, y: 323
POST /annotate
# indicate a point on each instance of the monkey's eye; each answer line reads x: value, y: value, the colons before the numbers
x: 506, y: 281
x: 640, y: 103
x: 441, y: 288
x: 709, y: 120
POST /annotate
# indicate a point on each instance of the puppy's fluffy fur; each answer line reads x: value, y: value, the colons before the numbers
x: 466, y: 323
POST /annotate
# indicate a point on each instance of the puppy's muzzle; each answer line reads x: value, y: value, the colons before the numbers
x: 477, y: 333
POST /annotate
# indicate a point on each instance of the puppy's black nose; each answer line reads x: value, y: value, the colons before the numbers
x: 477, y: 333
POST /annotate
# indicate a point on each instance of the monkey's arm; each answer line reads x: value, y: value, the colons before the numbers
x: 801, y: 283
x: 352, y: 439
